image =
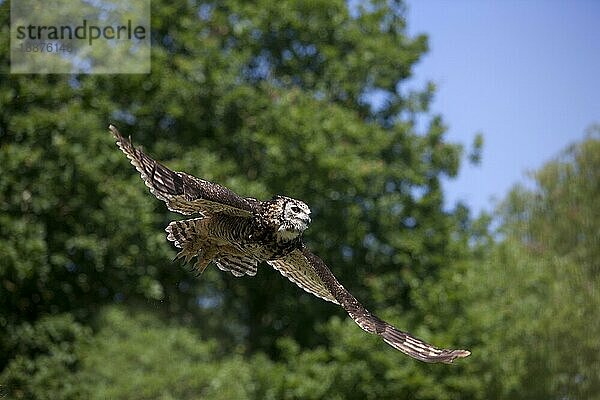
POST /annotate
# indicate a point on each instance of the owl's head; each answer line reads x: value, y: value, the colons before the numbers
x: 293, y: 219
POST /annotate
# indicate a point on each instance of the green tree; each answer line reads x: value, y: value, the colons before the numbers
x: 266, y: 99
x: 533, y: 302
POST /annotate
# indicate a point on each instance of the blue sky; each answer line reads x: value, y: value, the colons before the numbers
x: 524, y: 73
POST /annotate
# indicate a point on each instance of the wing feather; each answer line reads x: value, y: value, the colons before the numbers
x: 310, y: 272
x: 296, y: 268
x: 181, y: 192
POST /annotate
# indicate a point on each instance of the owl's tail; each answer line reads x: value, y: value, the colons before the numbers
x: 186, y: 232
x: 188, y: 236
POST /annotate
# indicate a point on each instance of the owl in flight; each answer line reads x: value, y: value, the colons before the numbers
x: 237, y: 233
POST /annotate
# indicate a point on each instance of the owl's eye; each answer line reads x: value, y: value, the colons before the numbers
x: 296, y: 209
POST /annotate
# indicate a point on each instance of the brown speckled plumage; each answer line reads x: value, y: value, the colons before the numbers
x: 238, y: 233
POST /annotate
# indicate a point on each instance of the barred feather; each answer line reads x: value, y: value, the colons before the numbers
x: 238, y: 266
x: 181, y: 192
x: 399, y: 340
x: 295, y: 268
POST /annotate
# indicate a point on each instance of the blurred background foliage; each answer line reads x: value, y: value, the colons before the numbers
x: 273, y: 98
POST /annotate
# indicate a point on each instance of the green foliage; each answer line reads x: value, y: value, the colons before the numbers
x: 561, y: 214
x: 43, y: 359
x: 475, y: 155
x: 534, y: 298
x: 141, y: 357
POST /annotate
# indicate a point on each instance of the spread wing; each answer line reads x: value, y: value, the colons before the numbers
x: 311, y: 274
x: 181, y: 192
x: 296, y: 268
